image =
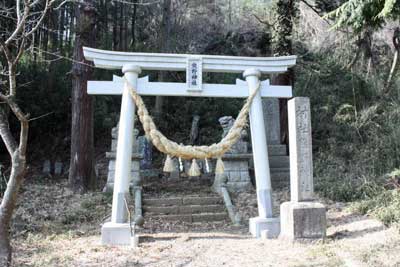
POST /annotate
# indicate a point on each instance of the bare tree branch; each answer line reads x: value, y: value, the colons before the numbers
x: 6, y: 134
x: 44, y: 13
x: 21, y: 50
x: 20, y: 26
x: 262, y: 21
x: 6, y: 51
x: 18, y: 6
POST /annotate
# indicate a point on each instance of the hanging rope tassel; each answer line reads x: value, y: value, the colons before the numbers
x: 219, y: 167
x: 207, y: 166
x: 180, y: 164
x: 169, y: 165
x: 194, y: 169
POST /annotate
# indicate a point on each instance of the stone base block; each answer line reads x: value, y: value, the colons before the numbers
x: 303, y: 220
x: 236, y: 187
x: 109, y: 187
x: 271, y: 227
x: 118, y: 234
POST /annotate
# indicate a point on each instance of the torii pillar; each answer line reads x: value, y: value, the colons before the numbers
x: 265, y: 221
x: 119, y: 231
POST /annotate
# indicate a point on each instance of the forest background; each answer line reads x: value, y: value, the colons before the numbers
x: 344, y: 72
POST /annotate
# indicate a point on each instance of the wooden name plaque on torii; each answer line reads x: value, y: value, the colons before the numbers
x: 117, y: 231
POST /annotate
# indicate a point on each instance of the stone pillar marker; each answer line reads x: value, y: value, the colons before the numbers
x: 301, y: 218
x: 300, y: 147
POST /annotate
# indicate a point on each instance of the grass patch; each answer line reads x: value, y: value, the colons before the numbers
x: 90, y: 209
x: 325, y: 251
x: 385, y: 206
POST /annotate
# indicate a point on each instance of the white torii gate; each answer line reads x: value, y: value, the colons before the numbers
x: 118, y: 230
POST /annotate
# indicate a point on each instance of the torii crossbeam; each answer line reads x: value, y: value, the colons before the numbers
x: 117, y: 231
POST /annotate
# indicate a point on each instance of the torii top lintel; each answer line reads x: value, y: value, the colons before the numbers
x: 178, y: 62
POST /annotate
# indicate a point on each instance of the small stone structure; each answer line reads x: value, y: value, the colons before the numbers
x: 301, y: 218
x: 277, y: 152
x: 58, y: 167
x: 46, y: 167
x: 145, y: 148
x: 136, y: 158
x: 236, y: 161
x: 272, y: 120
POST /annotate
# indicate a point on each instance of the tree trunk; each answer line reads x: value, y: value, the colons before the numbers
x: 13, y: 49
x: 393, y: 69
x: 115, y: 28
x: 121, y: 27
x: 18, y: 168
x: 61, y: 30
x: 5, y: 247
x: 285, y: 14
x: 284, y: 79
x: 45, y: 39
x: 8, y: 204
x: 133, y: 26
x: 81, y: 171
x: 165, y: 47
x: 71, y: 28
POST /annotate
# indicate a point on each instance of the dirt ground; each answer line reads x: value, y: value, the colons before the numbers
x: 54, y: 227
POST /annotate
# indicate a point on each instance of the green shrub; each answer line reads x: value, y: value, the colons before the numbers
x: 356, y: 133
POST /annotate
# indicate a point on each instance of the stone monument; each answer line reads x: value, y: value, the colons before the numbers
x: 301, y: 218
x: 136, y: 158
x: 236, y: 161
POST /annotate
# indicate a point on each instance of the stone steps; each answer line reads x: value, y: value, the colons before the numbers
x: 280, y: 177
x: 191, y: 200
x: 192, y: 218
x: 279, y: 161
x: 280, y: 170
x: 189, y: 209
x: 185, y: 208
x: 277, y: 150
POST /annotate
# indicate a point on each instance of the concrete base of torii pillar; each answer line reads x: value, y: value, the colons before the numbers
x: 118, y: 234
x: 265, y: 227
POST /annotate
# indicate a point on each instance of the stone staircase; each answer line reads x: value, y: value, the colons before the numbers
x: 279, y: 166
x: 188, y: 200
x: 191, y: 209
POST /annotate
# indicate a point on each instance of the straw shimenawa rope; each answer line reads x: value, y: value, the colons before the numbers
x: 172, y: 148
